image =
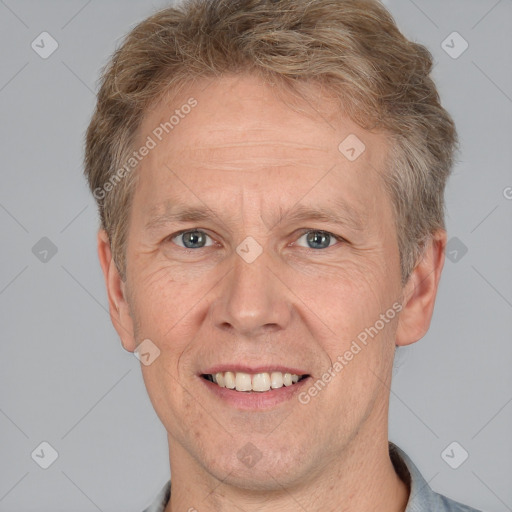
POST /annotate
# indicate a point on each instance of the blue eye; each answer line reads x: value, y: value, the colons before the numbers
x: 312, y: 239
x: 193, y: 239
x: 318, y: 239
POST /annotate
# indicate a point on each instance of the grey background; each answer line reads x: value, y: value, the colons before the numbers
x: 65, y: 378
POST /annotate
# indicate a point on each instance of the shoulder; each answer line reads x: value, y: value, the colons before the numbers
x: 449, y: 505
x: 422, y: 498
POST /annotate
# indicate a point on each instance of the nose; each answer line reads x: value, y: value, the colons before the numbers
x: 252, y: 301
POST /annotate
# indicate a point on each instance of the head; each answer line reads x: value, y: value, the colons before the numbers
x: 270, y: 180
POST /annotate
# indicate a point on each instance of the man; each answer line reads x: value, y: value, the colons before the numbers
x: 270, y: 176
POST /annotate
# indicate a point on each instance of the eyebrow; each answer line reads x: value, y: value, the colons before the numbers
x: 184, y: 214
x: 344, y: 215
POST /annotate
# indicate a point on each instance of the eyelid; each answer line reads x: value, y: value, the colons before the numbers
x: 301, y: 233
x: 172, y: 236
x: 304, y: 231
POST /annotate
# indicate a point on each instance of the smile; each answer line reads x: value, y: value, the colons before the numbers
x: 259, y: 382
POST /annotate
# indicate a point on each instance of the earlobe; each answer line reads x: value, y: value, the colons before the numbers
x: 118, y: 305
x: 419, y: 293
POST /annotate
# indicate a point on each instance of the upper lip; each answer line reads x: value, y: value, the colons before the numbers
x: 267, y: 368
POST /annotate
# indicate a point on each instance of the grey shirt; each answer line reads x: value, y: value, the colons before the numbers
x: 421, y: 499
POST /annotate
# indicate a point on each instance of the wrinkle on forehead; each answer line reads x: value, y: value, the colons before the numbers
x: 256, y: 143
x: 240, y: 166
x: 252, y: 155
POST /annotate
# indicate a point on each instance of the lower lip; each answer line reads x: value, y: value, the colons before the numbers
x: 255, y: 400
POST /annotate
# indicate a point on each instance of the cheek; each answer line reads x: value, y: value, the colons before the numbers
x: 164, y: 300
x: 347, y: 295
x: 349, y: 301
x: 172, y: 403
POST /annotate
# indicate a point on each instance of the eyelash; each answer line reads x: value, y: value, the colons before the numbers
x: 302, y: 233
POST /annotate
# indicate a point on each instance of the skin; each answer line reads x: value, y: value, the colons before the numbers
x: 250, y: 158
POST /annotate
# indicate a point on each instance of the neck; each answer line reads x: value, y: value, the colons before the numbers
x: 362, y: 478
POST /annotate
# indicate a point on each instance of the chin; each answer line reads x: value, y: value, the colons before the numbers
x: 259, y: 465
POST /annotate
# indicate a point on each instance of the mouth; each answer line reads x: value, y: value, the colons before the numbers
x: 253, y: 382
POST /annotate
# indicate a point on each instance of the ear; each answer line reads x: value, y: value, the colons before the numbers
x: 419, y: 293
x: 116, y: 290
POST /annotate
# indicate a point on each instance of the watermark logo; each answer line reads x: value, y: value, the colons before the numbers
x: 146, y: 352
x: 44, y: 45
x: 454, y: 45
x: 352, y: 147
x: 249, y: 250
x: 454, y: 455
x: 355, y: 348
x: 456, y: 249
x: 44, y: 250
x: 44, y: 455
x: 249, y: 455
x: 157, y: 135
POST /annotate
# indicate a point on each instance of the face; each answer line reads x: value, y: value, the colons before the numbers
x: 259, y: 247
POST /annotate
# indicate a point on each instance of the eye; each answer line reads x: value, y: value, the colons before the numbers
x: 318, y: 239
x: 192, y: 239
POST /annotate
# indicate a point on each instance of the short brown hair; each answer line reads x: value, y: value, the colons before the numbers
x: 353, y: 48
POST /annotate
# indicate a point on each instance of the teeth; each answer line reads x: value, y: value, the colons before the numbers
x: 229, y: 380
x: 261, y: 382
x: 243, y: 381
x: 276, y: 380
x: 219, y: 379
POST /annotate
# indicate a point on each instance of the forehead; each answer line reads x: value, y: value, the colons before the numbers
x: 243, y: 135
x: 243, y: 110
